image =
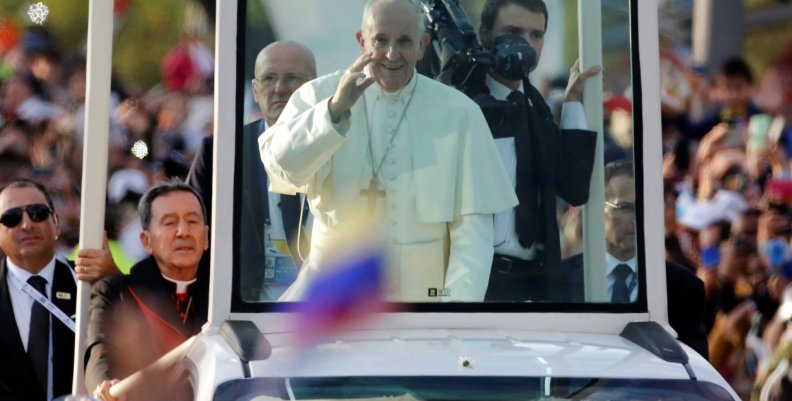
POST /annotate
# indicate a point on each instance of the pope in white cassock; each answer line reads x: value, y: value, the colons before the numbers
x: 416, y: 156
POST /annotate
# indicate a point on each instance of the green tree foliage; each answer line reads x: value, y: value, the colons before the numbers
x: 144, y: 32
x: 143, y: 37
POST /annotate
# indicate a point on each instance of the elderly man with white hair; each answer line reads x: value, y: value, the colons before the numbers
x: 383, y: 144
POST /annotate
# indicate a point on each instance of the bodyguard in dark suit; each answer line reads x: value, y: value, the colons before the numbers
x: 543, y: 161
x: 29, y: 329
x: 280, y: 69
x: 19, y: 378
x: 685, y: 291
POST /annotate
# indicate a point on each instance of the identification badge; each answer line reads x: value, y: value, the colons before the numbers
x: 279, y: 268
x: 62, y: 295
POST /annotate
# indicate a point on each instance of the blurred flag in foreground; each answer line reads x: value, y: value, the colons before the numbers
x: 348, y: 290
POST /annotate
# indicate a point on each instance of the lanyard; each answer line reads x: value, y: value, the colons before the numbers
x: 43, y: 300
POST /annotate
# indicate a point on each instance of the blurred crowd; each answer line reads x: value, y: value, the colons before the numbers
x: 153, y: 133
x: 727, y: 144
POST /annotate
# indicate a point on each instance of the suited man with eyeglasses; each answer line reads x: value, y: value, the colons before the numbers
x: 280, y: 68
x: 620, y: 240
x: 684, y: 291
x: 38, y: 294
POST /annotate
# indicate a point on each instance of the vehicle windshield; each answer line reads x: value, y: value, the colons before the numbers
x: 461, y: 388
x: 587, y: 236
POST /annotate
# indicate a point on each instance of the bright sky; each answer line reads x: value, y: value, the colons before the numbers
x: 326, y: 27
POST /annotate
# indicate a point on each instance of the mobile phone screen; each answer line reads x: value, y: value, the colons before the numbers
x: 758, y: 128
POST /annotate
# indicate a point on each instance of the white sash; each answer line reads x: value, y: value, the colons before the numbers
x: 43, y: 300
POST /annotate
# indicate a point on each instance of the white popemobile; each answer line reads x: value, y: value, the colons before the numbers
x: 531, y: 351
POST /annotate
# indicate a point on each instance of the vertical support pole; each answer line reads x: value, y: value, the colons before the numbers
x: 590, y: 40
x: 227, y: 47
x: 652, y: 188
x: 94, y: 170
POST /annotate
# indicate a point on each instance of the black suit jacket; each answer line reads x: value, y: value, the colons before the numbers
x: 251, y: 234
x: 566, y: 159
x: 685, y: 293
x: 17, y: 379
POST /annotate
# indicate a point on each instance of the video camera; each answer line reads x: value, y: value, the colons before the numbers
x: 459, y: 60
x: 457, y: 55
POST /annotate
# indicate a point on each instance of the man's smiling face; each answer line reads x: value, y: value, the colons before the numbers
x: 392, y: 34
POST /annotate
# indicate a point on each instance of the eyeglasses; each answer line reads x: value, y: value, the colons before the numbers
x: 624, y: 207
x: 37, y: 212
x: 270, y: 80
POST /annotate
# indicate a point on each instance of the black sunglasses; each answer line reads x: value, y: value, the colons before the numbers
x: 37, y: 212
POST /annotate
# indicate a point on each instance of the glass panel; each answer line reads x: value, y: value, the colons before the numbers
x: 410, y: 168
x: 468, y: 388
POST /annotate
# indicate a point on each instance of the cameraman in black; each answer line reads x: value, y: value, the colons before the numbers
x: 542, y: 160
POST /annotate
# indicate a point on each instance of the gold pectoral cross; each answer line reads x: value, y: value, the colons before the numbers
x: 373, y: 192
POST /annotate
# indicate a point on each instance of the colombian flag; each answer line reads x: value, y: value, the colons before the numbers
x: 345, y: 293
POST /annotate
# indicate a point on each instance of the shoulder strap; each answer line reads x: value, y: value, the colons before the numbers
x: 44, y: 301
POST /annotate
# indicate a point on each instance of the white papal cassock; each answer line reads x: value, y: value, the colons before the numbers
x: 442, y: 177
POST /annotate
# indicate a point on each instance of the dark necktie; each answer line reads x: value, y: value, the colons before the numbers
x: 621, y: 293
x: 38, y: 337
x: 290, y: 213
x: 526, y: 215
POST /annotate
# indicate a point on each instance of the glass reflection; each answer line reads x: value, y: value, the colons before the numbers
x: 549, y: 267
